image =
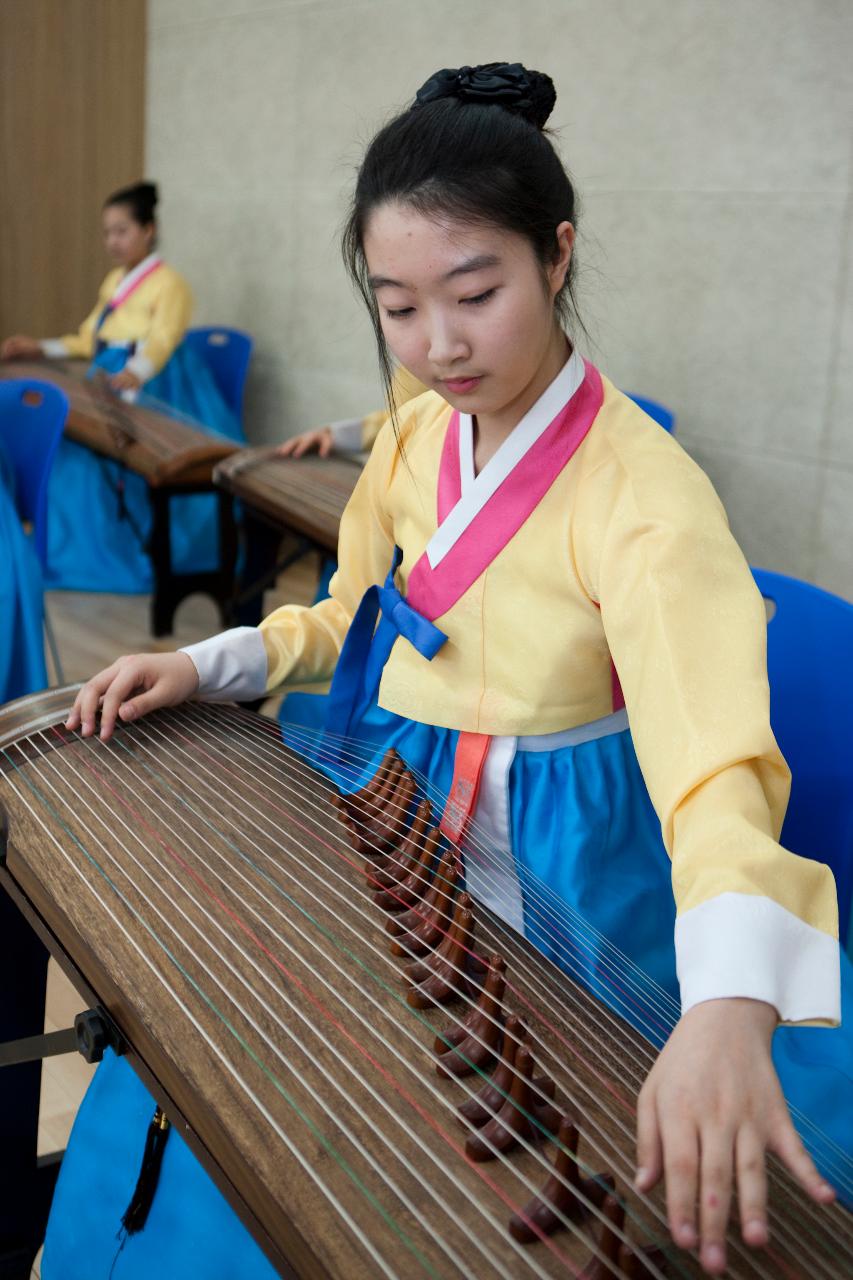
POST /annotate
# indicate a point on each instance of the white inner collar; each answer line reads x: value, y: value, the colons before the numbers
x: 128, y: 281
x: 476, y: 490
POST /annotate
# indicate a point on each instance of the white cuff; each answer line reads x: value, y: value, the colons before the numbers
x: 53, y: 348
x: 232, y: 667
x: 140, y: 366
x: 742, y: 944
x: 347, y: 434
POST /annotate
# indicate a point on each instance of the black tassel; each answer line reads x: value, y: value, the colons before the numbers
x: 136, y: 1214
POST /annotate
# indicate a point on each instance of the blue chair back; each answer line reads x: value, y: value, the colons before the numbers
x: 663, y: 416
x: 32, y: 418
x: 226, y: 352
x: 809, y: 648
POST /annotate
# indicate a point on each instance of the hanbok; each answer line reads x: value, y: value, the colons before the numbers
x: 100, y: 520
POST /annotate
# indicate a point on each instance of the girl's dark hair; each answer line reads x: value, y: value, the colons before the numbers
x: 470, y: 147
x: 140, y: 199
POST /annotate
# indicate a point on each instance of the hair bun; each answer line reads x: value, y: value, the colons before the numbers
x: 141, y: 199
x: 148, y: 192
x: 529, y: 94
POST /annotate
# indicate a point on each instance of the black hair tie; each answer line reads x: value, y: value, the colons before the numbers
x: 502, y: 84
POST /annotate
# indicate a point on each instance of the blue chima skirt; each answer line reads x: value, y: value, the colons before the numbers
x: 22, y: 665
x: 594, y: 884
x: 100, y: 516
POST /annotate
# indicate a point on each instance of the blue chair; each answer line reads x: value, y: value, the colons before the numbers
x: 226, y: 352
x: 32, y: 419
x: 809, y: 648
x: 665, y: 417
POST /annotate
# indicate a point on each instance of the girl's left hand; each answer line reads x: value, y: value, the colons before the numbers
x: 125, y: 381
x: 307, y: 442
x: 711, y: 1103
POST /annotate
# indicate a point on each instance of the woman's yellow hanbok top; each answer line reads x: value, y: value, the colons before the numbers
x: 154, y: 315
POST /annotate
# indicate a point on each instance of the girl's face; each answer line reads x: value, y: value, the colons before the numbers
x: 126, y: 240
x: 467, y: 309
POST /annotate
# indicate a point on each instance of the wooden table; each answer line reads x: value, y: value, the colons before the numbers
x: 173, y: 457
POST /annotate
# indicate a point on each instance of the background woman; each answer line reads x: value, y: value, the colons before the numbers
x: 99, y: 514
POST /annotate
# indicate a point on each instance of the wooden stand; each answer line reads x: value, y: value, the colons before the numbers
x: 170, y: 588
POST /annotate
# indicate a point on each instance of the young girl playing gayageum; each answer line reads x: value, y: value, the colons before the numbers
x: 572, y: 591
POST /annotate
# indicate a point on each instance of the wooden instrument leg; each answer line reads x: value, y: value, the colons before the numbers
x: 260, y: 544
x: 26, y: 1182
x: 170, y: 588
x: 264, y: 558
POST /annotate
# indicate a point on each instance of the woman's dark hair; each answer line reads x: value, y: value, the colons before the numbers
x: 471, y: 148
x: 140, y: 199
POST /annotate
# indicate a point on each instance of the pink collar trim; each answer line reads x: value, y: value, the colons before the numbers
x: 432, y: 591
x: 133, y: 280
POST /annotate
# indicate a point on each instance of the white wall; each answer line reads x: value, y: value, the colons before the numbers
x: 711, y: 144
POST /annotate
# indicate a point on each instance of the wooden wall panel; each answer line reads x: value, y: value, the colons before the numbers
x: 72, y: 118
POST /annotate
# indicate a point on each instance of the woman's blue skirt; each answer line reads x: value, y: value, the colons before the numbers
x: 100, y: 515
x: 22, y: 665
x: 594, y: 884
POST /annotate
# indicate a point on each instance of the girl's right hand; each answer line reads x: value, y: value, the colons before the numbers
x: 710, y: 1108
x: 20, y: 347
x: 321, y: 440
x: 132, y: 687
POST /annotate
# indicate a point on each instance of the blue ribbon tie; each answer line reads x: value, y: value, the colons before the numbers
x: 367, y: 648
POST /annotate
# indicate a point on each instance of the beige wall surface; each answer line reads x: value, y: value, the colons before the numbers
x: 710, y: 140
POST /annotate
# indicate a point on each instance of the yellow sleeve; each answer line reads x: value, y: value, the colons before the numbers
x: 169, y: 323
x: 303, y: 643
x: 81, y: 345
x: 404, y: 387
x: 686, y: 628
